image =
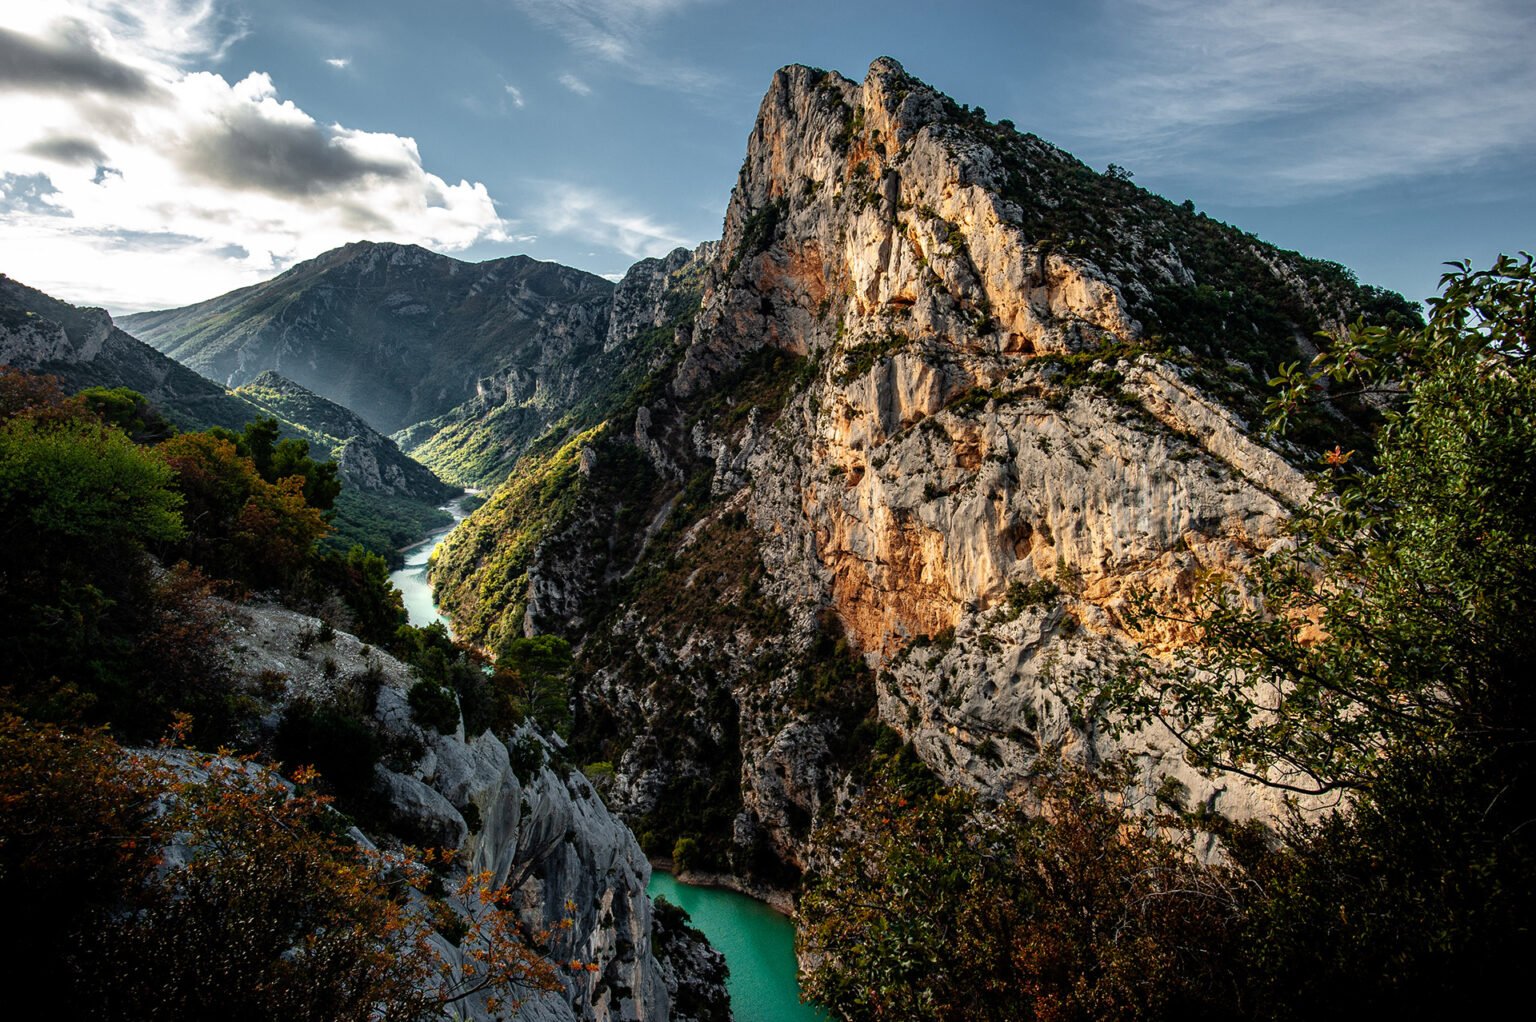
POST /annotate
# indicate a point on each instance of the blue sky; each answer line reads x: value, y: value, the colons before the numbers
x: 159, y: 152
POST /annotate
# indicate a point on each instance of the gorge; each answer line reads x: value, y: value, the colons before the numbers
x: 879, y: 488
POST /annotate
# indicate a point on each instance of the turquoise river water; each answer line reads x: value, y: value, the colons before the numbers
x: 411, y: 580
x: 758, y: 944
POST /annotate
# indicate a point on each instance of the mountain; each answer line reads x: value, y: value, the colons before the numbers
x: 945, y: 399
x: 389, y: 499
x: 480, y: 441
x: 366, y: 459
x: 394, y: 332
x: 84, y: 348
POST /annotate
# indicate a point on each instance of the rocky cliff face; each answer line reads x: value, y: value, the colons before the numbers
x: 569, y: 387
x: 948, y: 397
x: 394, y: 332
x: 84, y: 348
x: 509, y: 810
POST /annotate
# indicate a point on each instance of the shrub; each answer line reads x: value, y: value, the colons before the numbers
x: 434, y: 706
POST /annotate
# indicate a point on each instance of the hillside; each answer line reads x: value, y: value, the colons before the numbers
x: 394, y: 332
x: 366, y: 459
x: 946, y: 397
x: 85, y: 348
x: 388, y: 499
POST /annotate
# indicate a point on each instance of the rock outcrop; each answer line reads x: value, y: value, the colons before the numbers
x: 508, y: 810
x: 948, y: 397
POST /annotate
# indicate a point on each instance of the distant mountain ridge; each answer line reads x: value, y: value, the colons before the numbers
x: 389, y: 498
x: 83, y: 347
x: 394, y: 332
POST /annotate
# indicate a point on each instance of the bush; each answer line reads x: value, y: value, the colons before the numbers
x: 685, y: 855
x: 343, y: 748
x: 434, y: 706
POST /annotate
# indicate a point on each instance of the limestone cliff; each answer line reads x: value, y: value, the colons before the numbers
x: 508, y: 809
x: 947, y: 397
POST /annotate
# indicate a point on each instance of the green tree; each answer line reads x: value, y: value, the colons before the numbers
x: 1399, y: 619
x: 1384, y: 655
x: 533, y: 678
x: 240, y: 526
x: 277, y: 459
x: 129, y: 411
x: 80, y: 505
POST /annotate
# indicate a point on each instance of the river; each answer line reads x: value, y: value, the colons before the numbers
x: 758, y: 944
x: 411, y: 580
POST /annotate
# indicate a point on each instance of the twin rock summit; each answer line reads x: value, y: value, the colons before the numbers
x: 885, y: 462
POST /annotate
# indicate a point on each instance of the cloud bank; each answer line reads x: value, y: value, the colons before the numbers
x: 162, y: 184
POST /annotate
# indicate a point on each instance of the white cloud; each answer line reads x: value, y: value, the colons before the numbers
x: 597, y: 217
x: 615, y: 32
x: 516, y: 95
x: 339, y: 63
x: 575, y: 84
x: 1294, y: 97
x: 149, y: 183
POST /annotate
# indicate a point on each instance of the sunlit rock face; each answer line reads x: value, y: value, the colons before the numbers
x: 948, y: 400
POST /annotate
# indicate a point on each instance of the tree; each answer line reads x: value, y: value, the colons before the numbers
x: 533, y: 678
x: 129, y: 411
x: 1399, y: 618
x: 1382, y: 656
x: 240, y: 526
x: 79, y: 506
x: 276, y: 460
x: 943, y: 907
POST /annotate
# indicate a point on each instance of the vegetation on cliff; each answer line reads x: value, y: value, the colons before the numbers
x: 1384, y: 658
x: 180, y: 885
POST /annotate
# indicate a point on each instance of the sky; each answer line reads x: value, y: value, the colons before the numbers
x: 155, y: 153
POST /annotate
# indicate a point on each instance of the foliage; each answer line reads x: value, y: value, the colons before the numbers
x: 82, y: 489
x: 240, y: 526
x: 381, y: 524
x: 433, y: 706
x: 482, y: 570
x: 374, y: 609
x: 276, y: 460
x: 129, y: 411
x: 1414, y: 903
x: 342, y: 746
x: 81, y: 505
x: 834, y: 682
x: 944, y: 908
x: 453, y: 667
x: 1386, y: 650
x: 1398, y: 621
x: 181, y: 887
x: 685, y: 854
x: 533, y: 680
x: 70, y: 813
